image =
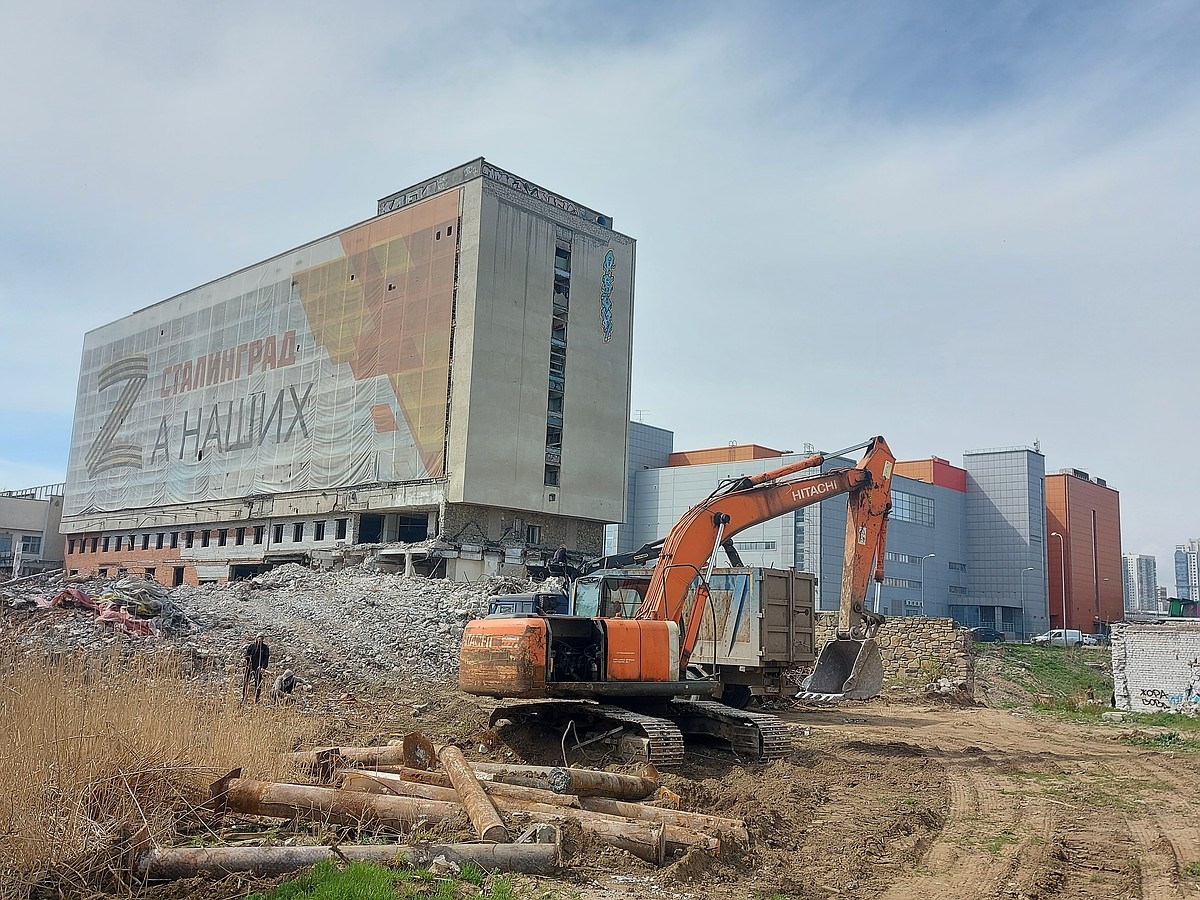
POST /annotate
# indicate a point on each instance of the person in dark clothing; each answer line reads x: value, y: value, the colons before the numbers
x: 560, y: 555
x: 257, y: 658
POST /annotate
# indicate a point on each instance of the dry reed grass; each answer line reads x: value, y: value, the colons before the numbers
x: 92, y: 750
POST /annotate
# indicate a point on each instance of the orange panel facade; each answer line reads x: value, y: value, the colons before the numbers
x: 1083, y: 553
x: 933, y: 471
x: 732, y: 453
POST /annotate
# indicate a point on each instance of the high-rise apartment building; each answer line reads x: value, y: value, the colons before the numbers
x: 1140, y: 577
x: 1083, y: 518
x: 1187, y: 570
x: 456, y: 367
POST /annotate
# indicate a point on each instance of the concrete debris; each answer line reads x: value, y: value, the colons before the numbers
x: 348, y: 625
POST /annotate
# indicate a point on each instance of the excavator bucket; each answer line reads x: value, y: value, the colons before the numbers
x: 847, y: 669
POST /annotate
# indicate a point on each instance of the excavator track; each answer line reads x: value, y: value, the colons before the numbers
x: 664, y: 740
x: 753, y: 735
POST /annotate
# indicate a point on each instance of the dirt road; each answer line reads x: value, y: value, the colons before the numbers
x: 899, y: 802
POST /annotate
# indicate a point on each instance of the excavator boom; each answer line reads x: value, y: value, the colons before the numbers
x: 750, y: 501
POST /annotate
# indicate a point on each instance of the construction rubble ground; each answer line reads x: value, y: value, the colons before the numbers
x: 921, y: 793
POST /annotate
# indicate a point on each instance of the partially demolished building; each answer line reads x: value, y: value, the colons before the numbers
x: 453, y: 374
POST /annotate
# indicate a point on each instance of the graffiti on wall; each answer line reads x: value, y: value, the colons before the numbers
x: 1175, y: 700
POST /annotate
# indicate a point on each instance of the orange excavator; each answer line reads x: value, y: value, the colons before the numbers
x: 631, y: 670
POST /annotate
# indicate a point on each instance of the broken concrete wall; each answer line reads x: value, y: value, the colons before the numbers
x: 464, y: 523
x: 1156, y: 667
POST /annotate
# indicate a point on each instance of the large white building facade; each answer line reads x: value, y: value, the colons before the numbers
x: 966, y: 542
x: 455, y: 368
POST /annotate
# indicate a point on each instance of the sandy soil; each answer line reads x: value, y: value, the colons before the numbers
x: 897, y: 801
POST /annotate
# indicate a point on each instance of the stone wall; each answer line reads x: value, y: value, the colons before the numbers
x: 918, y: 651
x: 1156, y: 667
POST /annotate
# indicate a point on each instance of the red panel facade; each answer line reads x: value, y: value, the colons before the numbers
x: 1083, y: 553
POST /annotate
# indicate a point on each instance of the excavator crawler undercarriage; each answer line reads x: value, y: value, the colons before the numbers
x: 658, y: 736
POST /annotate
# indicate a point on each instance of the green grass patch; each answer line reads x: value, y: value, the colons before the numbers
x: 1000, y: 841
x: 1060, y: 675
x: 368, y: 881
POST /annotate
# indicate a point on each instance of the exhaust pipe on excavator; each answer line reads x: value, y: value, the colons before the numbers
x: 847, y: 669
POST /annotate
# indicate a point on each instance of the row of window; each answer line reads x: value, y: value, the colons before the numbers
x: 207, y: 537
x: 754, y: 545
x: 31, y: 544
x: 560, y: 304
x: 912, y: 508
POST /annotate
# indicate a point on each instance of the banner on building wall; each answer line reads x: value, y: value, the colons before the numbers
x: 323, y: 368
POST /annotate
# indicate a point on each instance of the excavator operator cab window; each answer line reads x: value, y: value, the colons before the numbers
x: 620, y: 598
x: 586, y: 593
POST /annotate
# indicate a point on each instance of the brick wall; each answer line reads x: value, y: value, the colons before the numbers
x: 1156, y: 668
x: 918, y: 650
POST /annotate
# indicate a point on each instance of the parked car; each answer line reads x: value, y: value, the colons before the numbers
x: 986, y: 635
x: 1095, y: 640
x: 1058, y: 637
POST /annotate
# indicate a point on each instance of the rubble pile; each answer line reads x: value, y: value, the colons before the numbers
x: 347, y: 626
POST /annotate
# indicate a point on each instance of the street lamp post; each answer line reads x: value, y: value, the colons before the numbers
x: 1023, y: 571
x: 1062, y: 561
x: 923, y: 558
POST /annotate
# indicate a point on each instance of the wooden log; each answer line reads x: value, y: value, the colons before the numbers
x: 480, y: 810
x: 322, y: 804
x: 608, y: 827
x: 189, y: 862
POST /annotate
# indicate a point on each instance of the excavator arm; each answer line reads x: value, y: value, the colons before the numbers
x: 749, y: 501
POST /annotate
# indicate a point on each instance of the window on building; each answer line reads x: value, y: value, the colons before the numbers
x: 912, y: 508
x: 205, y: 537
x: 341, y: 525
x: 222, y: 537
x: 105, y: 544
x: 240, y: 536
x: 903, y: 583
x: 277, y: 534
x: 146, y: 541
x: 552, y: 475
x: 159, y: 540
x: 174, y: 540
x: 260, y: 532
x: 318, y: 531
x: 533, y: 534
x: 94, y: 542
x: 957, y: 567
x: 132, y: 541
x: 31, y: 544
x: 150, y: 575
x: 71, y: 545
x: 957, y: 589
x: 189, y: 540
x: 298, y: 532
x: 177, y: 576
x: 754, y: 545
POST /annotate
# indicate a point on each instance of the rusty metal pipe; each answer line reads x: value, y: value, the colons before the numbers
x: 480, y: 810
x: 189, y: 862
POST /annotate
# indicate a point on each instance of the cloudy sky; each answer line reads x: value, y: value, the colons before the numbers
x: 959, y: 225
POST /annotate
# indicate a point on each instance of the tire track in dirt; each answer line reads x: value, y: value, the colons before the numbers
x: 981, y: 845
x: 1166, y: 828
